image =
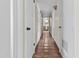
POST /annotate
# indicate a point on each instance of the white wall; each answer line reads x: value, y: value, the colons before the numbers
x: 4, y: 28
x: 70, y: 28
x: 56, y: 22
x: 68, y: 32
x: 70, y: 24
x: 76, y: 28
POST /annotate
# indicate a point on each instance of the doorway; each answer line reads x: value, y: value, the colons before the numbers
x: 36, y: 21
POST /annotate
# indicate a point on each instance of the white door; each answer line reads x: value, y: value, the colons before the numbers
x: 29, y: 29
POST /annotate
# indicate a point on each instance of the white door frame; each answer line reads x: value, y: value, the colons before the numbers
x: 19, y: 27
x: 29, y: 35
x: 17, y: 41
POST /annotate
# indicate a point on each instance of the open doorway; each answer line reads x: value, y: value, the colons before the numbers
x: 41, y: 15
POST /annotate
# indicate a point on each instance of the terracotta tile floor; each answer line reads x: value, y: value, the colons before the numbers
x: 47, y: 47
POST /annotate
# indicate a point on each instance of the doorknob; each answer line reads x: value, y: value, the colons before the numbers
x: 28, y: 28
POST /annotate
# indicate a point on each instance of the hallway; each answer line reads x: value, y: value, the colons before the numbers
x: 47, y: 47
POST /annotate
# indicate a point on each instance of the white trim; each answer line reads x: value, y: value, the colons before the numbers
x: 16, y: 28
x: 19, y: 24
x: 11, y: 28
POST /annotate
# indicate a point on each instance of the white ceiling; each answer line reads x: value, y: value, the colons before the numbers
x: 45, y: 6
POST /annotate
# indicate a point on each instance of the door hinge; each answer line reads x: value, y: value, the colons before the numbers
x: 33, y: 44
x: 60, y: 27
x: 33, y: 1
